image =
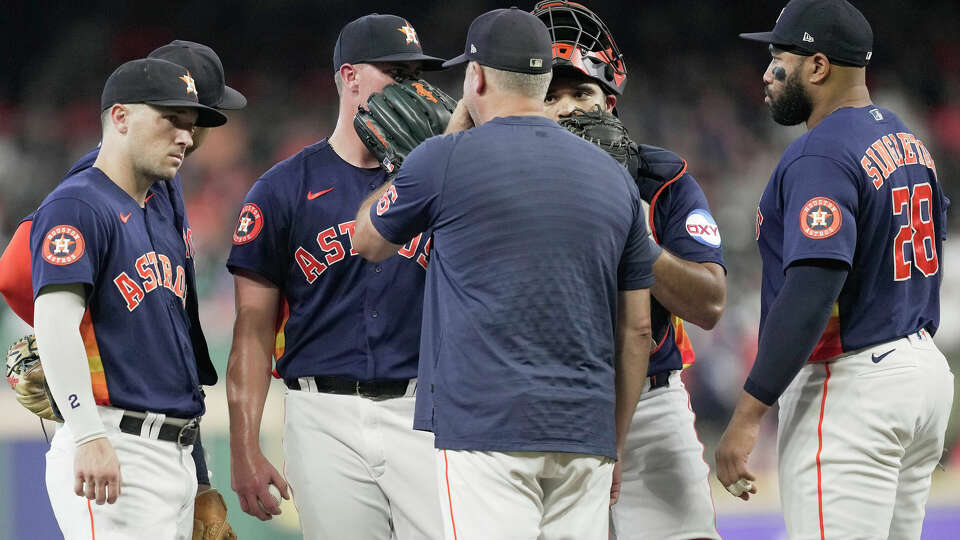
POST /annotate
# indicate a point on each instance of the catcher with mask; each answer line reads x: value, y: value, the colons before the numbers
x: 665, y: 491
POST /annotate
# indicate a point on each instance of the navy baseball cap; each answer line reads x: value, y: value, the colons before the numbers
x: 154, y: 81
x: 508, y: 39
x: 380, y: 38
x: 832, y: 27
x: 206, y: 69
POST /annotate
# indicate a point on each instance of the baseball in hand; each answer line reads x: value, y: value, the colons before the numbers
x: 739, y: 487
x: 275, y: 492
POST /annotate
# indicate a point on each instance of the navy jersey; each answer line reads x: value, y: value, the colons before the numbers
x: 862, y: 189
x: 170, y: 194
x: 342, y: 315
x: 136, y: 329
x: 680, y: 221
x: 534, y: 231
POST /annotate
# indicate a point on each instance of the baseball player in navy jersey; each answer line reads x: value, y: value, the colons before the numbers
x: 665, y: 491
x: 344, y: 331
x: 205, y: 68
x: 850, y: 229
x: 111, y: 317
x: 539, y: 249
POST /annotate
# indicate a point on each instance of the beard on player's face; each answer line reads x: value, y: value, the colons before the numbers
x: 793, y: 106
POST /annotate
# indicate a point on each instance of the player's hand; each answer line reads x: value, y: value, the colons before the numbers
x: 734, y: 450
x: 250, y: 477
x: 96, y: 471
x: 460, y: 120
x: 615, y: 485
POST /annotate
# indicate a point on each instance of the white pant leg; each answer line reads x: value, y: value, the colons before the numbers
x: 158, y: 486
x: 326, y: 453
x: 490, y: 495
x: 665, y: 491
x: 576, y: 497
x: 934, y: 388
x: 407, y: 472
x: 846, y: 429
x: 523, y: 495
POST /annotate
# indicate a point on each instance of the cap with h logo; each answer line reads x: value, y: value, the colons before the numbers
x: 207, y: 71
x: 157, y: 82
x: 509, y: 40
x: 832, y: 27
x: 380, y: 38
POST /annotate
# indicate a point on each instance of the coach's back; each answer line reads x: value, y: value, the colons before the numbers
x: 534, y: 230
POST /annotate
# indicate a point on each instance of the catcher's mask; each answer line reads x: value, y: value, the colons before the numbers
x: 581, y: 41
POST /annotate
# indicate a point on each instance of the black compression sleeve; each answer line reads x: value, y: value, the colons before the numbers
x: 794, y: 324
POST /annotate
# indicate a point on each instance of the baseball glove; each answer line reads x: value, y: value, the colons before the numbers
x: 400, y: 117
x: 210, y: 517
x: 606, y: 131
x: 25, y: 376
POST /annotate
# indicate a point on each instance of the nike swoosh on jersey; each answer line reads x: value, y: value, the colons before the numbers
x: 877, y: 358
x: 311, y: 196
x: 150, y: 196
x: 124, y: 218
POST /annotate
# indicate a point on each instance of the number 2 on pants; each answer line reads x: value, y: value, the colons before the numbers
x: 917, y: 232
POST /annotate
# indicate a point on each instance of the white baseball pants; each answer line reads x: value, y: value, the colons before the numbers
x: 524, y: 495
x: 158, y: 486
x: 858, y: 441
x: 665, y: 491
x: 356, y: 466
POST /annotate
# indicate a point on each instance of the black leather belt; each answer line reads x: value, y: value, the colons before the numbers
x: 660, y: 380
x: 173, y: 430
x: 338, y: 385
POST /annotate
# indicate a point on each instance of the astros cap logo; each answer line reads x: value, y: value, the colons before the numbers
x: 410, y: 33
x: 249, y: 224
x: 62, y: 245
x: 191, y: 85
x: 820, y: 218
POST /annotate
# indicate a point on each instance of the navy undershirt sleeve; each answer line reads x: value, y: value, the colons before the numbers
x: 794, y: 324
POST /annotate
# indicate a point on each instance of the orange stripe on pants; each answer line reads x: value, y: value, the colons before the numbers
x: 446, y: 475
x: 823, y: 406
x: 93, y: 535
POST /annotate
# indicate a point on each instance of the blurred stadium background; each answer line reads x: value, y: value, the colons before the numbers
x: 693, y: 87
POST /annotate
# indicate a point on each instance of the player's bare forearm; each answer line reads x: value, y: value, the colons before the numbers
x: 695, y: 292
x: 749, y: 410
x: 367, y: 240
x: 249, y: 365
x: 633, y: 356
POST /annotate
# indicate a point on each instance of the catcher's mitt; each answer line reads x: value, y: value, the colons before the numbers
x: 606, y: 131
x: 400, y: 117
x: 210, y: 517
x: 25, y: 376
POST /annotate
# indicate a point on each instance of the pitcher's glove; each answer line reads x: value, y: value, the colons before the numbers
x: 401, y: 117
x: 606, y: 131
x: 25, y: 376
x: 210, y: 517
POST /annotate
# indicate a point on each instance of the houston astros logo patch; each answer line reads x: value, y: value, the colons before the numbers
x: 820, y: 218
x: 62, y: 245
x: 249, y: 224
